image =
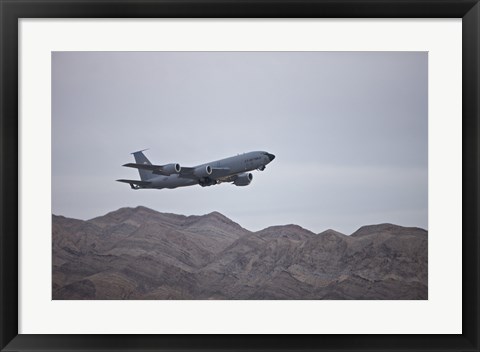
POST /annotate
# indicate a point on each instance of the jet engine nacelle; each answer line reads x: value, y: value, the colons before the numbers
x: 171, y: 169
x: 203, y: 171
x: 243, y: 179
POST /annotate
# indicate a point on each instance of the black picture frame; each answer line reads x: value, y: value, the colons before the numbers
x: 12, y: 10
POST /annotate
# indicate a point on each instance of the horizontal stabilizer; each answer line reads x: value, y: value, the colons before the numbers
x: 136, y: 182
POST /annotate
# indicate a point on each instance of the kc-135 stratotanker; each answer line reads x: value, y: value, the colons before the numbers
x: 234, y: 169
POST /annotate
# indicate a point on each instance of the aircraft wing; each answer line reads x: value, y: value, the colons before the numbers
x: 148, y: 167
x: 187, y: 172
x: 217, y: 172
x: 156, y: 169
x: 228, y: 178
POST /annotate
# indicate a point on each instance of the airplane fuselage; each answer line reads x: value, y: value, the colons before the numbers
x: 224, y: 170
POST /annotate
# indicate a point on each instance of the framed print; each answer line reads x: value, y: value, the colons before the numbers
x: 311, y: 182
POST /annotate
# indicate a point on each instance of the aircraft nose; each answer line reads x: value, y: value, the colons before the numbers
x: 271, y: 156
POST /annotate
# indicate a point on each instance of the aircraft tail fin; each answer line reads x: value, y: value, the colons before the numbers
x: 140, y: 158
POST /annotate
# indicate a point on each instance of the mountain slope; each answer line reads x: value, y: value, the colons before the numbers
x: 138, y: 253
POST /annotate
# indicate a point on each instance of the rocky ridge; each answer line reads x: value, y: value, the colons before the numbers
x: 138, y: 253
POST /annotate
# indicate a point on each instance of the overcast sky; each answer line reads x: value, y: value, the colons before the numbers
x: 349, y: 131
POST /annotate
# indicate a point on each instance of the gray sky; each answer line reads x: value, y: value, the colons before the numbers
x: 349, y: 131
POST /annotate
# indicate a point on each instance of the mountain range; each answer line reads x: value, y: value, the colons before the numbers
x: 138, y: 253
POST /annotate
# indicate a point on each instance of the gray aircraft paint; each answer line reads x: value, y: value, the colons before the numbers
x: 230, y: 169
x: 349, y: 129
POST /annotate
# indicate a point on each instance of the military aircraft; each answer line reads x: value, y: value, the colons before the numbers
x: 233, y: 169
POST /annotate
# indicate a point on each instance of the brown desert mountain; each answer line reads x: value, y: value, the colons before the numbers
x: 138, y: 253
